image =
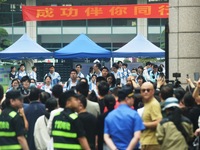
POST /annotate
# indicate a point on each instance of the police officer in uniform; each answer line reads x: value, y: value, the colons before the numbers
x: 11, y: 124
x: 67, y: 130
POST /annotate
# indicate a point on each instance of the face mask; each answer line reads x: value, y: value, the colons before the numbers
x: 134, y: 74
x: 32, y: 85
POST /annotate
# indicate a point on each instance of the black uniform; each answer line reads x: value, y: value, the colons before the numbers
x: 11, y: 126
x: 66, y: 129
x: 89, y: 122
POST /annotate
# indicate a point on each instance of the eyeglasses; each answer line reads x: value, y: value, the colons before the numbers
x: 144, y: 90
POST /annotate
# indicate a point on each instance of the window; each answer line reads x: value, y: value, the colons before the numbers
x: 51, y: 46
x: 101, y: 22
x: 49, y: 23
x: 6, y: 19
x: 117, y: 45
x: 73, y: 23
x: 18, y: 20
x: 157, y: 1
x: 12, y: 6
x: 157, y: 22
x: 105, y: 45
x: 125, y: 22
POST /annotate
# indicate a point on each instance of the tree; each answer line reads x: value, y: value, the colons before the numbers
x: 1, y: 1
x: 126, y: 60
x: 162, y: 40
x: 4, y: 42
x: 144, y: 60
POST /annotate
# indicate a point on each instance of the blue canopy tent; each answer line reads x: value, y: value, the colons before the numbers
x: 82, y: 47
x: 139, y: 47
x: 25, y: 48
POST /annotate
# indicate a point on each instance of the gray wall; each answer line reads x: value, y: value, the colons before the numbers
x: 184, y: 44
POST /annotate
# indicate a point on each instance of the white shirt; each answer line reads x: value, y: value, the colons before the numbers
x: 140, y: 111
x: 47, y: 88
x: 69, y: 84
x: 19, y: 75
x: 50, y: 121
x: 41, y: 136
x: 116, y: 74
x: 55, y: 78
x: 80, y: 75
x: 146, y: 75
x: 92, y: 86
x: 33, y: 75
x: 98, y: 74
x: 124, y: 74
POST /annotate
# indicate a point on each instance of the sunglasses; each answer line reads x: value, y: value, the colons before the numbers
x: 144, y: 90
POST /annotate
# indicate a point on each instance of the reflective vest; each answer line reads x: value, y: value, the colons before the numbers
x: 8, y: 138
x: 63, y: 132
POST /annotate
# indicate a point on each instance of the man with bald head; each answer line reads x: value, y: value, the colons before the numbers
x: 151, y: 117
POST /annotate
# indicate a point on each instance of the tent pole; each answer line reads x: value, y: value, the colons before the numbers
x: 112, y: 58
x: 167, y: 50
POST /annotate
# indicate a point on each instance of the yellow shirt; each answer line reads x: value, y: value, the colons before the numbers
x: 152, y: 112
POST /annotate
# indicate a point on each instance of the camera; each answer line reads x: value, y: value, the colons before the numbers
x: 177, y: 83
x: 176, y: 75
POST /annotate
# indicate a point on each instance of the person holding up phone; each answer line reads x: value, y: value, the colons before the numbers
x: 189, y: 81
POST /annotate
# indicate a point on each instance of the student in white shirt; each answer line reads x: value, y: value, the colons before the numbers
x: 89, y: 75
x: 97, y: 71
x: 55, y: 76
x: 71, y: 83
x: 115, y: 71
x: 92, y: 84
x: 47, y: 84
x: 78, y: 69
x: 41, y: 135
x: 147, y: 70
x: 21, y: 73
x: 33, y: 74
x: 124, y: 74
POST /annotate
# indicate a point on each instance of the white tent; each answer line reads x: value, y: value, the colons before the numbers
x: 139, y: 47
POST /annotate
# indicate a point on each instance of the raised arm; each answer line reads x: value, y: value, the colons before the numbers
x: 189, y: 81
x: 196, y: 91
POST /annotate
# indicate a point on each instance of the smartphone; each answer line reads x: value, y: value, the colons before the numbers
x: 118, y: 81
x: 187, y: 76
x: 196, y: 76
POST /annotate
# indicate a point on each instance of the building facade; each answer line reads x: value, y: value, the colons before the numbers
x: 52, y: 35
x: 184, y: 27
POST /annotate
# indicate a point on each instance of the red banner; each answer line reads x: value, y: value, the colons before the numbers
x: 45, y: 13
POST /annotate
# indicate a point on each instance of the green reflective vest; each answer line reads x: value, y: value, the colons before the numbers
x: 63, y: 132
x: 8, y: 138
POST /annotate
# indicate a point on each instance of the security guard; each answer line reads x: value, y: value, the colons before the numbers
x: 11, y: 124
x: 67, y: 130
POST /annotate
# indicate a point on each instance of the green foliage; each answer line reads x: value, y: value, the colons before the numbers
x: 127, y: 61
x: 4, y: 42
x: 2, y: 1
x: 162, y: 40
x: 3, y: 33
x: 144, y: 60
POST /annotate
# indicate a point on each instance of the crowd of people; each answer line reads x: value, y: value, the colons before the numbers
x: 107, y: 109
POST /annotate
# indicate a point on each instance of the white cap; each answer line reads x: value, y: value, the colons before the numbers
x: 170, y: 102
